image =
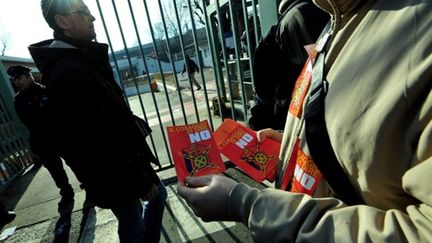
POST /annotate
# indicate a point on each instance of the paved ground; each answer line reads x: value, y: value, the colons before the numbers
x: 34, y: 198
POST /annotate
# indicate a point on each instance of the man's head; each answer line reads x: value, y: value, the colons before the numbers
x: 70, y: 17
x: 20, y: 76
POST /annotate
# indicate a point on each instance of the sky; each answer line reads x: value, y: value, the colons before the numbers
x: 22, y: 23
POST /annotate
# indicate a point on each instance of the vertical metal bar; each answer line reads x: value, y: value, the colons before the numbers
x: 200, y: 62
x: 256, y: 18
x: 149, y: 82
x: 215, y: 60
x: 130, y: 63
x: 184, y: 58
x: 240, y: 74
x: 249, y: 42
x: 148, y: 78
x: 11, y: 117
x: 172, y: 63
x: 12, y: 142
x: 222, y: 41
x: 157, y: 55
x: 222, y: 94
x: 112, y: 52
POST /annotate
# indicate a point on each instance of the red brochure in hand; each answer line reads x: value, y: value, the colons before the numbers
x: 194, y: 150
x: 239, y: 144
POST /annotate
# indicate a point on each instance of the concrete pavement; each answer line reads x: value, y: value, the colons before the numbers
x: 34, y: 198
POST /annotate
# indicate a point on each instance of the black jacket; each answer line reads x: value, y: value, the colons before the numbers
x: 192, y: 66
x: 279, y: 59
x: 31, y: 107
x: 95, y: 130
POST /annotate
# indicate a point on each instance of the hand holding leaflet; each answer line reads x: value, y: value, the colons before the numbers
x: 240, y: 145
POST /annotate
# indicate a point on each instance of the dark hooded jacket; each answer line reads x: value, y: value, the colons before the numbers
x: 94, y: 128
x: 192, y: 66
x: 30, y: 105
x: 279, y: 59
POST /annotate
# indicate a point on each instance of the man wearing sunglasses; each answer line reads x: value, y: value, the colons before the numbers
x: 96, y: 131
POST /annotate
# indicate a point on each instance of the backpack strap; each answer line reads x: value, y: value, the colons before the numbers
x: 319, y: 142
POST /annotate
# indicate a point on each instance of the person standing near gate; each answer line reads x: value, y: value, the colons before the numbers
x: 97, y: 133
x: 31, y: 107
x: 192, y: 68
x: 356, y: 152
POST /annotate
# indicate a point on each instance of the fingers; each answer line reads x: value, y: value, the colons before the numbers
x: 268, y: 133
x: 199, y: 181
x: 207, y: 196
x: 184, y: 191
x: 263, y: 134
x: 191, y: 188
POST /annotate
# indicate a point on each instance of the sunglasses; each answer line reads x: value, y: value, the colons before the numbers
x: 83, y: 12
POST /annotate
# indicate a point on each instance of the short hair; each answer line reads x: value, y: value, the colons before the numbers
x: 51, y: 8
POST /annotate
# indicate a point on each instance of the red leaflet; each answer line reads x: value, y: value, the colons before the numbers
x: 194, y: 150
x: 240, y: 145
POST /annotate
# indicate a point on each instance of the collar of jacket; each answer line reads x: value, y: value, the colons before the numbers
x: 284, y: 5
x: 34, y: 86
x: 288, y: 4
x: 92, y: 50
x: 338, y: 9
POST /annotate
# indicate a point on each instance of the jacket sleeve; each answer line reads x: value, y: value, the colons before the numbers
x: 279, y: 216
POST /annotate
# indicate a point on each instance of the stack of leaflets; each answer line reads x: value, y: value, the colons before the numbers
x: 196, y: 151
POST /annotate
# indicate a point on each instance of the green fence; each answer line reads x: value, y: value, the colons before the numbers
x: 15, y: 154
x: 219, y: 35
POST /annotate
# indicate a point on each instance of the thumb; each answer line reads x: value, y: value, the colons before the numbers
x: 261, y: 135
x: 184, y: 191
x: 199, y: 181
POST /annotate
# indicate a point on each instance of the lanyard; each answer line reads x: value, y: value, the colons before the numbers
x: 318, y: 140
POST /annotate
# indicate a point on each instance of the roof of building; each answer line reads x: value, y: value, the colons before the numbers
x: 16, y: 59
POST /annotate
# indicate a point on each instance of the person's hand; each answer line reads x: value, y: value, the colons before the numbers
x: 269, y: 133
x: 207, y: 196
x: 151, y: 194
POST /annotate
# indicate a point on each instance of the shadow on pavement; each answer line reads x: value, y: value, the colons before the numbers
x: 12, y: 192
x: 88, y: 221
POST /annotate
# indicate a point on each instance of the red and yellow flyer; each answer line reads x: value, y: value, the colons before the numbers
x: 194, y: 150
x: 240, y: 145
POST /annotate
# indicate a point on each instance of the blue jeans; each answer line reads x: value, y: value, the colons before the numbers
x: 141, y: 222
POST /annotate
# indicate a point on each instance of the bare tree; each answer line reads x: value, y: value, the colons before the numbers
x: 170, y: 13
x: 177, y: 20
x: 198, y: 11
x: 4, y: 40
x: 158, y: 31
x: 183, y: 15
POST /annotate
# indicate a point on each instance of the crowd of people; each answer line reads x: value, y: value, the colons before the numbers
x: 356, y: 150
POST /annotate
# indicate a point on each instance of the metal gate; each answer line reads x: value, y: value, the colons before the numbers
x: 15, y: 154
x: 149, y: 41
x: 219, y: 35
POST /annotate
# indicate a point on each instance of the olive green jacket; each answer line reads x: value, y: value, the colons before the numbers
x: 378, y: 112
